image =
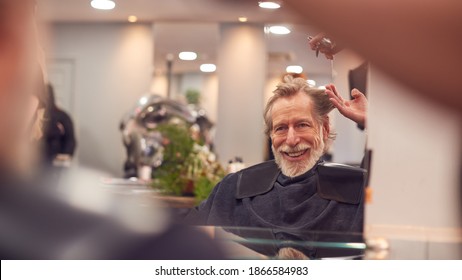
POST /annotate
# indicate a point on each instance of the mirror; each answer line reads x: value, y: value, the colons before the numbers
x: 115, y: 64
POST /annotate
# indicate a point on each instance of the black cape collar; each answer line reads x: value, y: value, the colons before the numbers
x: 341, y: 183
x: 257, y: 179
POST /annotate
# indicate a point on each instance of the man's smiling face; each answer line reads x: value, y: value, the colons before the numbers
x: 298, y: 139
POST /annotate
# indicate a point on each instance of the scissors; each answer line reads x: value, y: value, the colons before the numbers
x: 327, y: 43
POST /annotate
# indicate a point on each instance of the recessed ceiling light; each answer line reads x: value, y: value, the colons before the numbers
x: 143, y: 100
x: 103, y: 4
x: 311, y: 83
x: 269, y: 5
x: 297, y: 69
x: 187, y: 55
x: 132, y: 19
x: 243, y: 19
x: 208, y: 68
x: 279, y: 30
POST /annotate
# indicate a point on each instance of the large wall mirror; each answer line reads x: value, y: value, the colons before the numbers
x: 211, y: 58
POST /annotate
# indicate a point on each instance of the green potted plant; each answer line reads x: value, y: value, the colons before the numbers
x: 188, y: 168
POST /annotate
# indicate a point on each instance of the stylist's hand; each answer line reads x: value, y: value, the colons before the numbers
x: 329, y: 52
x: 355, y: 110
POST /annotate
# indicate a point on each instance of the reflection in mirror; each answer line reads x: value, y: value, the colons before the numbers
x: 226, y: 70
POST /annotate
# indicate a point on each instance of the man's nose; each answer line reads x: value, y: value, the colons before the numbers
x: 292, y: 137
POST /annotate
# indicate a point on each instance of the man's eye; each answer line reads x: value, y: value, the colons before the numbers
x: 303, y: 125
x: 279, y: 128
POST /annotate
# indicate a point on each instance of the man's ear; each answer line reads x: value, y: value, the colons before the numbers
x: 326, y: 128
x: 270, y: 134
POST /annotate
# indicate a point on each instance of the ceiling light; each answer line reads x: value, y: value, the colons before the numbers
x: 187, y: 55
x: 297, y: 69
x: 143, y: 100
x: 132, y: 19
x: 243, y: 19
x: 269, y: 5
x: 103, y: 4
x: 208, y: 68
x: 279, y: 30
x: 311, y: 83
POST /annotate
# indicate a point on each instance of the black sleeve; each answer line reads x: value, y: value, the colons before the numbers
x: 200, y: 215
x: 68, y: 139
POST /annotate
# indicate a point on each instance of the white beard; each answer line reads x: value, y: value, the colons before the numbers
x: 293, y: 169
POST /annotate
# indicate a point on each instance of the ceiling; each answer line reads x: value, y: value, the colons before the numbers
x: 164, y: 10
x: 175, y: 37
x: 203, y: 38
x: 181, y: 25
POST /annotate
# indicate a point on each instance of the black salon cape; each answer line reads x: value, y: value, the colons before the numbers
x: 261, y: 196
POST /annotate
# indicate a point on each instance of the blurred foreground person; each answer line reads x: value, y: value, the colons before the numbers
x: 297, y: 190
x: 18, y: 83
x: 86, y: 222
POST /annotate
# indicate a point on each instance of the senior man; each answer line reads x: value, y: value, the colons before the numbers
x: 289, y: 191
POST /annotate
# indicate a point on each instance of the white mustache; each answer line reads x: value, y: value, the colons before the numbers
x: 298, y: 148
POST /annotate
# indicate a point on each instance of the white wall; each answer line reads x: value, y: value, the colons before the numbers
x: 416, y: 145
x: 210, y: 96
x: 113, y: 67
x: 242, y: 73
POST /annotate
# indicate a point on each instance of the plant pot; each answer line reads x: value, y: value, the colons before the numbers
x: 189, y: 188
